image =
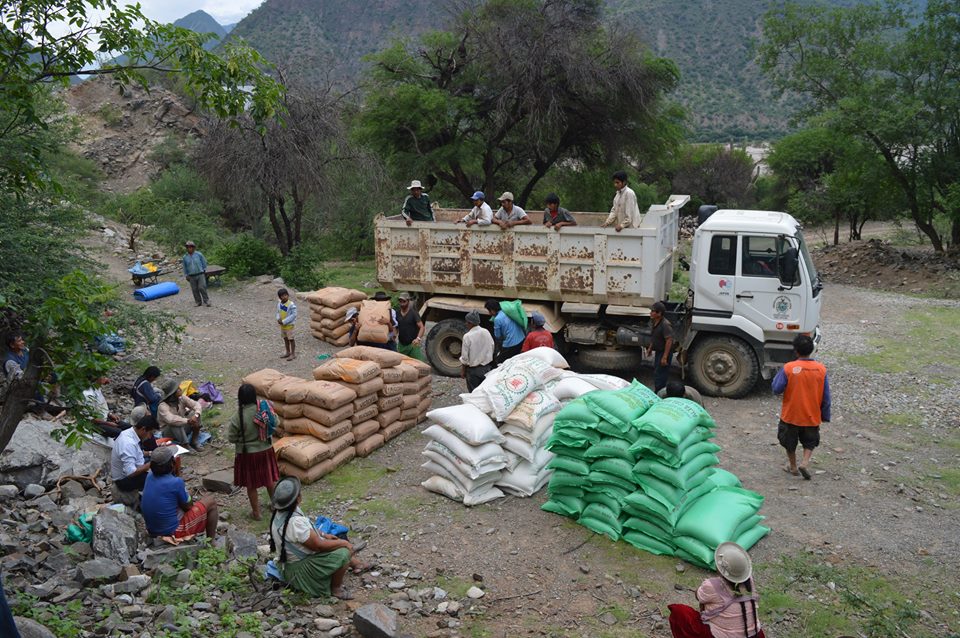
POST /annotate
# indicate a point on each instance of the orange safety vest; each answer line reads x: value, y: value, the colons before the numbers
x: 804, y: 393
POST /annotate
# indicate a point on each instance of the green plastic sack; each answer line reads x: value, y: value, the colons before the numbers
x: 618, y: 467
x: 621, y: 407
x: 694, y: 552
x: 598, y: 477
x: 565, y: 450
x: 723, y: 478
x: 673, y: 419
x: 565, y: 479
x: 606, y: 500
x: 691, y: 496
x: 569, y: 464
x: 576, y: 415
x: 514, y: 310
x: 747, y: 525
x: 608, y: 429
x: 749, y: 538
x: 564, y: 506
x: 668, y: 494
x: 648, y: 544
x: 571, y: 438
x: 649, y: 528
x: 715, y: 517
x: 82, y: 530
x: 608, y: 447
x: 678, y: 477
x: 597, y: 516
x: 614, y: 492
x: 642, y: 506
x: 647, y: 444
x: 565, y: 490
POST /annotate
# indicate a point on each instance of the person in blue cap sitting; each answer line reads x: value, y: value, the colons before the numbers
x: 481, y: 215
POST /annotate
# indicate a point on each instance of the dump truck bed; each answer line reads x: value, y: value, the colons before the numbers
x: 580, y: 264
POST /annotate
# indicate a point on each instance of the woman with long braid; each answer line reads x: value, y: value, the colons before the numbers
x: 312, y: 563
x: 255, y: 463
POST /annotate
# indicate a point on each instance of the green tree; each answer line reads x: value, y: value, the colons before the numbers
x: 714, y: 174
x: 885, y: 74
x: 513, y: 88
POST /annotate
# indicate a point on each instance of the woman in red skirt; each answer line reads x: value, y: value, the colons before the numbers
x: 255, y: 465
x: 728, y: 602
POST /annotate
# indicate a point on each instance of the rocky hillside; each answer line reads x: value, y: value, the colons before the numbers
x: 121, y: 129
x: 203, y: 22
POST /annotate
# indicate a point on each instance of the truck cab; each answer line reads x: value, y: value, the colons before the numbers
x: 753, y: 288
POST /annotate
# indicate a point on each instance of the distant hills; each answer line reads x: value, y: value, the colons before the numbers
x: 203, y: 22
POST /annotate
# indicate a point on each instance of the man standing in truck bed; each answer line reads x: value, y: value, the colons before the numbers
x: 625, y: 213
x: 416, y: 207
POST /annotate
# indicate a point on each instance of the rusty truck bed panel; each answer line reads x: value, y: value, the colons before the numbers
x: 584, y: 263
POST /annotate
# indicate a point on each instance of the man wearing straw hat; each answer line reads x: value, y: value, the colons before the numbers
x: 416, y: 207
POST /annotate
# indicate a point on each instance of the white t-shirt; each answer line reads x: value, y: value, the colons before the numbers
x: 95, y: 399
x: 298, y: 531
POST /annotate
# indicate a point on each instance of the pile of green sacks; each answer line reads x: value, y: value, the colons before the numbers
x: 634, y: 467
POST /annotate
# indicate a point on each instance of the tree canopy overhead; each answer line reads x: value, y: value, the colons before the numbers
x: 889, y: 76
x: 512, y: 88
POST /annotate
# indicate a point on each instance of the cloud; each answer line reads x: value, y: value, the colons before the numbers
x: 223, y: 11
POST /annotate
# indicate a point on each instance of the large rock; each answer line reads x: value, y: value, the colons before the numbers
x: 169, y: 554
x: 375, y: 621
x: 241, y: 544
x: 98, y: 571
x: 8, y: 492
x: 33, y: 456
x: 115, y: 536
x: 31, y: 628
x: 221, y: 481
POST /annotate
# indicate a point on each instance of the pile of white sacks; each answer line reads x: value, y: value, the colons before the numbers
x: 493, y: 443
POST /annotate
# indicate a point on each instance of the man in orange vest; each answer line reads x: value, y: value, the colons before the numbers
x: 806, y: 403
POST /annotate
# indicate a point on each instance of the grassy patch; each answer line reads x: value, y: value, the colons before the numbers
x: 933, y: 334
x: 352, y: 481
x: 455, y: 586
x: 65, y: 621
x: 352, y: 275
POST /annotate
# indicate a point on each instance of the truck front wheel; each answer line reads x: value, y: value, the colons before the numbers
x: 444, y: 343
x: 723, y: 366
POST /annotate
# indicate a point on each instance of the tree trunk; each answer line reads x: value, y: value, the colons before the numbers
x: 930, y: 231
x: 297, y: 213
x: 275, y: 223
x: 17, y: 400
x: 836, y: 229
x: 288, y: 230
x: 955, y: 236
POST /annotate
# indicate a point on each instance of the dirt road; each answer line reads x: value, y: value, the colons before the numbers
x: 882, y: 502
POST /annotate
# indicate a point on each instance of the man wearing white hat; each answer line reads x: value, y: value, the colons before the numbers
x: 510, y: 215
x: 416, y: 207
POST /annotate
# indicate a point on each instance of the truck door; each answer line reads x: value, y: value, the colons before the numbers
x: 713, y: 286
x: 777, y: 307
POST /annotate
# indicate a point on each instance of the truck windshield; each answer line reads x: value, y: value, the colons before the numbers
x: 808, y: 261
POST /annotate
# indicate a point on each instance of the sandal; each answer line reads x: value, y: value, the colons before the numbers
x: 343, y: 595
x: 804, y: 472
x: 786, y: 468
x: 361, y: 568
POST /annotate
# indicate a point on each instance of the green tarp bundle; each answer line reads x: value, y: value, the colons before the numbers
x: 633, y: 467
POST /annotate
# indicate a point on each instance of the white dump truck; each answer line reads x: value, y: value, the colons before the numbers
x: 753, y: 287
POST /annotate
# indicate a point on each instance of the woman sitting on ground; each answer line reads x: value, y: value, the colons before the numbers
x: 177, y: 414
x: 255, y: 463
x: 728, y: 603
x: 309, y: 561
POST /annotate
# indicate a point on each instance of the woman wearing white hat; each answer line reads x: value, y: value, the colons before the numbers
x: 728, y: 602
x: 416, y: 207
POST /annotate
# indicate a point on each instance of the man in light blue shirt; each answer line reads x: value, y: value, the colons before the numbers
x: 195, y: 268
x: 507, y: 333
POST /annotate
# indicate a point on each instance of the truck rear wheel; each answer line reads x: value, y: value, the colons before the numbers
x: 723, y: 366
x: 609, y: 361
x: 444, y: 344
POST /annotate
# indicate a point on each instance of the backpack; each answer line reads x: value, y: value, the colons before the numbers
x: 265, y: 419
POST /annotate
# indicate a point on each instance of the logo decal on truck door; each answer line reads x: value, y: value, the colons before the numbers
x: 781, y: 307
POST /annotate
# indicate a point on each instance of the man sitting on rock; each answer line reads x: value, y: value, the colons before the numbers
x: 127, y: 467
x: 167, y: 508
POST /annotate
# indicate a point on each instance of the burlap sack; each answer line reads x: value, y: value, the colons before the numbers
x: 383, y: 357
x: 388, y: 417
x: 261, y: 380
x: 339, y: 342
x: 365, y: 429
x: 349, y: 370
x: 363, y: 389
x: 411, y: 387
x: 392, y: 375
x: 287, y: 390
x: 304, y: 451
x: 389, y: 403
x: 409, y: 401
x: 315, y: 326
x: 369, y: 444
x: 314, y: 429
x: 343, y: 330
x: 288, y: 410
x: 390, y: 389
x: 392, y: 431
x: 340, y: 443
x: 423, y: 368
x: 339, y: 312
x: 327, y: 417
x: 424, y: 383
x: 409, y: 424
x: 424, y: 405
x: 330, y: 324
x: 317, y: 471
x: 375, y: 321
x: 409, y: 372
x: 335, y: 296
x: 365, y: 414
x: 362, y: 402
x: 327, y: 394
x: 409, y: 413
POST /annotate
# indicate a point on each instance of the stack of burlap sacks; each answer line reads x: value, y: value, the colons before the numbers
x: 630, y: 465
x: 495, y: 442
x: 328, y: 309
x: 358, y: 400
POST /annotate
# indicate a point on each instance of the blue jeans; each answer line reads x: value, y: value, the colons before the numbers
x: 660, y: 372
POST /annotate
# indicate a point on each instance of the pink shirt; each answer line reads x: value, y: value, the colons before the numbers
x: 714, y: 594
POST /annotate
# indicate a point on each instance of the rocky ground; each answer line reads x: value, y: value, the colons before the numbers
x: 870, y: 542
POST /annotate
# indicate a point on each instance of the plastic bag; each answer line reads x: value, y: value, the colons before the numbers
x: 82, y: 530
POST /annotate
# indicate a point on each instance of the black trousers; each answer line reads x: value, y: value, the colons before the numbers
x: 475, y: 376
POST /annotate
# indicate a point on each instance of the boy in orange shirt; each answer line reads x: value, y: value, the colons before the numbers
x: 806, y: 403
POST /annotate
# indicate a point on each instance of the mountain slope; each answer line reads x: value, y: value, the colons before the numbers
x: 203, y: 22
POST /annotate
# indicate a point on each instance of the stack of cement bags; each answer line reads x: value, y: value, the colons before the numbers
x: 328, y: 310
x: 364, y: 379
x: 631, y: 466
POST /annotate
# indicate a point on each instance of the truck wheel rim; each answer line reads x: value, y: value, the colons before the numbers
x: 450, y: 349
x: 721, y: 367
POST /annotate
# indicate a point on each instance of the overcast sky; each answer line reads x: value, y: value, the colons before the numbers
x: 223, y: 11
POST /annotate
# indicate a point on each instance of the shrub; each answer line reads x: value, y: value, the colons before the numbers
x: 246, y: 256
x: 301, y: 268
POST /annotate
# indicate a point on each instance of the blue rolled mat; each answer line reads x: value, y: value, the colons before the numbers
x: 162, y: 289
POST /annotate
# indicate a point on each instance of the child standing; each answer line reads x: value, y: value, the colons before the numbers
x: 286, y: 316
